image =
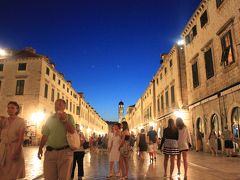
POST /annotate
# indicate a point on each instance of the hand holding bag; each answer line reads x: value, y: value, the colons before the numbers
x: 73, y: 140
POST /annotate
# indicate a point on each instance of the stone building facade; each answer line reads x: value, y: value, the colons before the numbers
x: 166, y: 95
x: 200, y: 79
x: 212, y: 48
x: 33, y: 81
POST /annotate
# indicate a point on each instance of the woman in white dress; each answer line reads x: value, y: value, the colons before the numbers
x: 114, y: 153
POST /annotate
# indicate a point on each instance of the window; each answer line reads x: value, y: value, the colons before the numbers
x: 209, y: 63
x: 165, y: 70
x: 166, y: 96
x: 67, y: 89
x: 63, y: 86
x: 74, y: 109
x: 162, y: 102
x: 172, y: 95
x: 20, y: 87
x: 52, y: 96
x: 195, y: 75
x: 78, y: 110
x: 47, y: 71
x: 54, y: 77
x: 71, y: 93
x: 204, y: 18
x: 150, y: 112
x: 187, y: 39
x: 46, y: 91
x: 161, y: 76
x: 58, y: 95
x: 1, y: 67
x: 191, y: 35
x: 59, y: 82
x: 194, y: 31
x: 158, y: 104
x: 67, y: 104
x: 70, y: 106
x: 219, y: 2
x: 22, y: 66
x: 227, y: 49
x: 0, y: 85
x: 170, y: 63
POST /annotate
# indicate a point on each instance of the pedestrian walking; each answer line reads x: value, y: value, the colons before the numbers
x: 78, y: 156
x: 12, y: 129
x: 152, y: 140
x: 212, y: 141
x: 132, y: 140
x: 228, y: 143
x: 142, y: 143
x: 170, y: 146
x: 124, y: 150
x: 184, y: 143
x: 58, y: 155
x: 114, y: 153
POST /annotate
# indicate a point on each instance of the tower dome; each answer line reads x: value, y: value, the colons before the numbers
x: 120, y: 103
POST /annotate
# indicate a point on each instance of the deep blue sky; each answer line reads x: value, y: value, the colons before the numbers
x: 108, y: 48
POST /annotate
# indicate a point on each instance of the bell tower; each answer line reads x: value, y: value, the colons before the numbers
x: 120, y: 111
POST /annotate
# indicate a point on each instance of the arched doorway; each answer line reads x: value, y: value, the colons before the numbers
x: 200, y: 125
x: 235, y: 122
x: 199, y: 134
x: 215, y: 124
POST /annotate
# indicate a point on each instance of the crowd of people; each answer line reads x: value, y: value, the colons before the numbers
x: 60, y: 160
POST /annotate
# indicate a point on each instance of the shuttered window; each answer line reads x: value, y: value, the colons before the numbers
x: 209, y: 63
x: 172, y: 94
x: 195, y: 75
x: 20, y: 87
x: 204, y: 18
x: 219, y: 2
x: 227, y: 49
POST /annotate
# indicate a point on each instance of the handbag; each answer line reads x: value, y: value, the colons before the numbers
x: 85, y: 145
x: 73, y: 140
x: 125, y: 149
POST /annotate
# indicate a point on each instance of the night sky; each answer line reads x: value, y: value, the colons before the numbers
x: 108, y: 48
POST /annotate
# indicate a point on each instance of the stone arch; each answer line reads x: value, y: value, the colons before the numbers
x: 229, y: 113
x: 215, y: 123
x: 235, y: 121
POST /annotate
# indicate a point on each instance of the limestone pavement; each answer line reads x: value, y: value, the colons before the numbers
x: 202, y: 166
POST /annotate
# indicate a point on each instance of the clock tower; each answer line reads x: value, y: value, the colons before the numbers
x: 120, y: 111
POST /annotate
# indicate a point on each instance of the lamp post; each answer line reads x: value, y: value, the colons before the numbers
x: 37, y: 118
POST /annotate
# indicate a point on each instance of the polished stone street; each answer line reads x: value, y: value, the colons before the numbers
x: 202, y: 166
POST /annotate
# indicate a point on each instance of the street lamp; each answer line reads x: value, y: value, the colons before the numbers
x: 180, y: 42
x: 179, y: 114
x: 37, y: 117
x: 3, y: 52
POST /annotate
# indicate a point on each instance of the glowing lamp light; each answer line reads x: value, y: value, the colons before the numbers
x: 140, y: 127
x: 37, y: 117
x: 88, y: 130
x: 180, y: 42
x: 179, y: 114
x: 81, y: 127
x: 2, y: 52
x: 153, y: 124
